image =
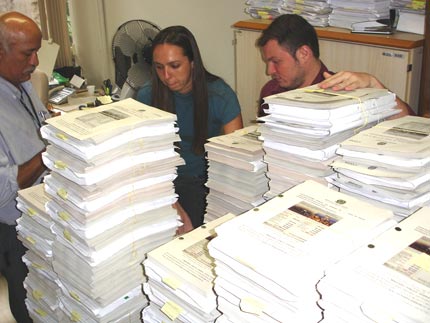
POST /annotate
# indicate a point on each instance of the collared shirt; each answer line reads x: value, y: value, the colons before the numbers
x: 273, y: 87
x: 20, y: 140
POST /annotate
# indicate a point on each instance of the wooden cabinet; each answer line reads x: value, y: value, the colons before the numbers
x: 395, y: 60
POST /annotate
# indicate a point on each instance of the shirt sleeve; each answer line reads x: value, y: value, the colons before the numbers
x: 224, y: 102
x: 8, y: 176
x: 144, y: 95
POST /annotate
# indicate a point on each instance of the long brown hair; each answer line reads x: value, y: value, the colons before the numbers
x: 162, y: 96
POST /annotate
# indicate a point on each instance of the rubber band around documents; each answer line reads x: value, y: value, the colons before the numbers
x: 360, y: 103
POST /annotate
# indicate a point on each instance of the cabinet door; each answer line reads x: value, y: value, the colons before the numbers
x: 250, y: 73
x: 399, y: 70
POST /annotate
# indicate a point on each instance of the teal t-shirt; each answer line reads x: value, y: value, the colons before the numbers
x: 223, y: 108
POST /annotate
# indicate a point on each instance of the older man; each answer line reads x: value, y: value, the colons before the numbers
x: 22, y: 114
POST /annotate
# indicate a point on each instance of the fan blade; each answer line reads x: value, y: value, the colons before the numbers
x: 138, y: 74
x: 150, y: 33
x: 122, y: 65
x: 126, y: 43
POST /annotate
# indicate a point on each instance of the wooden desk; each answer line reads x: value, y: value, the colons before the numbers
x: 75, y: 101
x: 394, y: 59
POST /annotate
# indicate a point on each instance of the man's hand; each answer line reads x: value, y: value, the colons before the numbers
x: 350, y: 81
x: 353, y: 80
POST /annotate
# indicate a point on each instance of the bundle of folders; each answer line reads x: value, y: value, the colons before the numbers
x: 347, y: 12
x: 388, y: 280
x: 316, y: 12
x: 180, y: 278
x: 269, y: 260
x: 237, y: 177
x: 305, y: 127
x: 35, y: 231
x: 388, y: 164
x: 112, y: 189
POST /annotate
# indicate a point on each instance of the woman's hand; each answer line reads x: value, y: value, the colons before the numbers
x: 187, y: 226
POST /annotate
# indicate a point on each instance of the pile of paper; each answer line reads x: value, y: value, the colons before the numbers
x: 269, y: 260
x: 264, y: 9
x: 347, y: 12
x: 112, y: 189
x: 388, y: 164
x: 411, y: 15
x: 236, y: 174
x: 412, y: 6
x: 35, y: 231
x: 180, y: 278
x: 316, y: 12
x: 388, y: 280
x: 305, y: 127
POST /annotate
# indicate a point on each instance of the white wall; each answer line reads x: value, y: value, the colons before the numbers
x: 209, y: 20
x: 27, y: 7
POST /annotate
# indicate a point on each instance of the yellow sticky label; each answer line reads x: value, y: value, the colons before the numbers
x: 245, y: 263
x: 31, y: 240
x: 75, y: 296
x: 252, y: 305
x: 59, y: 164
x: 64, y: 216
x: 75, y: 316
x: 171, y: 282
x: 31, y: 212
x: 314, y: 90
x: 172, y: 310
x: 421, y: 260
x: 61, y: 136
x: 37, y: 266
x: 62, y: 193
x: 67, y: 235
x: 41, y: 312
x: 37, y: 294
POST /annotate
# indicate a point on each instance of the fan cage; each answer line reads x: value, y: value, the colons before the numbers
x: 135, y: 29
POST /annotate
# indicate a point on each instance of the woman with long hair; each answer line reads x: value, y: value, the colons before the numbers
x: 204, y: 104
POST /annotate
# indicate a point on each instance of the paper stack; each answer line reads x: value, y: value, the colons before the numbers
x: 112, y: 189
x: 316, y: 12
x: 180, y: 278
x: 347, y: 12
x: 388, y: 164
x: 35, y: 231
x: 388, y: 280
x: 236, y: 174
x: 411, y: 15
x: 306, y: 126
x: 264, y: 9
x: 269, y: 260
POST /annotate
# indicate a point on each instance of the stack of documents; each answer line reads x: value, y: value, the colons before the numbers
x: 387, y: 280
x: 347, y: 12
x: 388, y: 164
x: 112, y: 189
x: 305, y: 127
x: 411, y: 15
x: 180, y: 278
x: 35, y: 231
x: 316, y: 12
x: 269, y: 260
x: 237, y: 173
x: 264, y: 9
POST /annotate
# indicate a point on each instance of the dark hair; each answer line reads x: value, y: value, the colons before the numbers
x: 162, y: 97
x: 292, y: 32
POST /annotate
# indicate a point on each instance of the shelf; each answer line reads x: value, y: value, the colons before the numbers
x: 397, y: 40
